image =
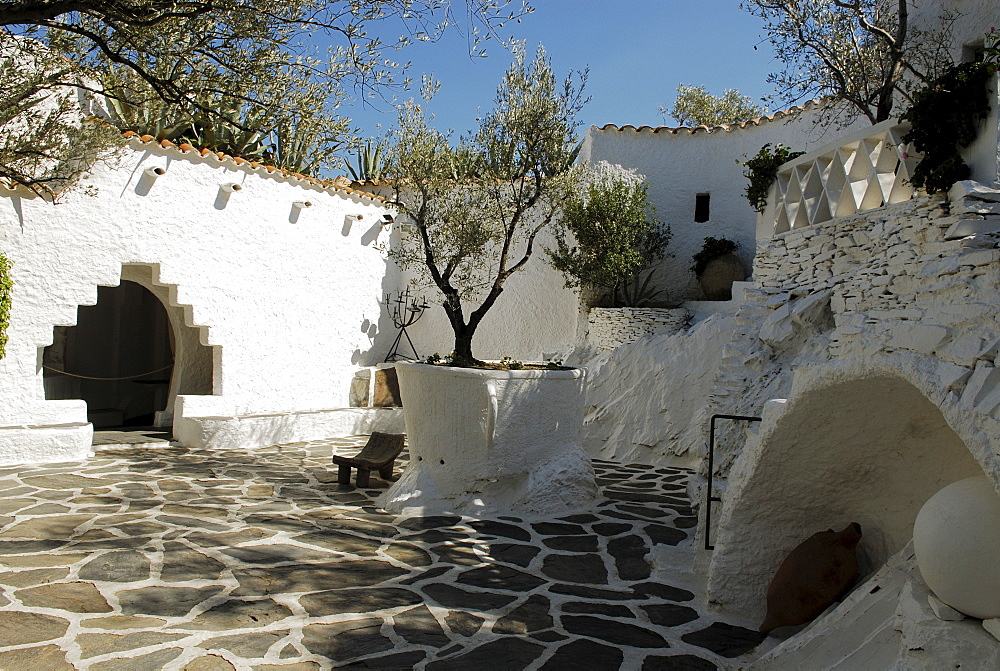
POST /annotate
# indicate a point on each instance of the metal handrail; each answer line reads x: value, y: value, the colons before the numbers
x: 711, y: 469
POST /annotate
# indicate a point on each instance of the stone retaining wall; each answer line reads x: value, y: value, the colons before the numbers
x: 919, y: 277
x: 869, y: 346
x: 613, y: 327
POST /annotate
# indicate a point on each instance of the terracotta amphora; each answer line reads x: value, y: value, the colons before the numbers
x: 814, y: 575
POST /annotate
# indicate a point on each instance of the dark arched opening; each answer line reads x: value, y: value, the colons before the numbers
x: 870, y: 450
x: 118, y: 358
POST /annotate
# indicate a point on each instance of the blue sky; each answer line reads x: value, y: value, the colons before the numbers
x: 638, y: 51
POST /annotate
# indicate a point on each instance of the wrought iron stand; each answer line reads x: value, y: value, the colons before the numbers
x: 404, y: 311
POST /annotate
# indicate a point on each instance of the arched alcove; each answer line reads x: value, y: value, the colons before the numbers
x: 870, y: 450
x: 129, y: 355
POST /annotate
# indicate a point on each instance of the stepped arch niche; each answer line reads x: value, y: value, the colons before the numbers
x: 135, y: 327
x: 869, y: 449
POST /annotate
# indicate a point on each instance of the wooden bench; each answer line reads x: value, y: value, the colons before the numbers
x: 378, y: 454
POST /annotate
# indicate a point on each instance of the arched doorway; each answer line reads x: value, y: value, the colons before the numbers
x: 140, y: 343
x: 118, y: 358
x: 870, y: 450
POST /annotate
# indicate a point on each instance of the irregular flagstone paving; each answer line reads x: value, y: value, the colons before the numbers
x: 175, y: 558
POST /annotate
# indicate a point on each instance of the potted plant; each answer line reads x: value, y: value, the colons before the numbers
x: 717, y: 267
x: 488, y: 437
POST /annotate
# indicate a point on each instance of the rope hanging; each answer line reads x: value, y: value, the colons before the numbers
x: 105, y: 379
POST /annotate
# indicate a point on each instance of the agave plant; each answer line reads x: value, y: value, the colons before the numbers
x: 635, y: 292
x: 162, y: 121
x: 216, y: 132
x: 464, y: 163
x: 369, y: 162
x: 306, y: 146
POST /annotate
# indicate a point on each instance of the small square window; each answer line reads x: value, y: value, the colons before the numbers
x: 974, y: 52
x: 701, y: 207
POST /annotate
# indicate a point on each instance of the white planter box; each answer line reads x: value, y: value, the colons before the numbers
x: 484, y: 441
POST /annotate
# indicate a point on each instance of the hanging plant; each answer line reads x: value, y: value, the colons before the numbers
x: 762, y: 170
x: 6, y: 287
x: 945, y: 117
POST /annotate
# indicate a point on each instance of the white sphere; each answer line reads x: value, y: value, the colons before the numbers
x: 956, y: 538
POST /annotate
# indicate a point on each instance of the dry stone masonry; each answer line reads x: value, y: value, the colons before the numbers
x: 918, y: 278
x: 614, y: 327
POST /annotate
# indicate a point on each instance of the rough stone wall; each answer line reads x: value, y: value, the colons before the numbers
x: 613, y: 327
x: 919, y: 277
x: 869, y: 345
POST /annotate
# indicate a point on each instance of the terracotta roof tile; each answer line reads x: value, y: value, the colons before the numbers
x: 759, y: 121
x: 340, y: 185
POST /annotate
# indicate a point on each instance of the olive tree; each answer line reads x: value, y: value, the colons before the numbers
x: 861, y: 52
x: 477, y: 208
x: 243, y: 67
x: 45, y: 142
x: 695, y: 106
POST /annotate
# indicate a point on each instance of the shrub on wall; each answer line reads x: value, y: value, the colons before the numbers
x: 6, y: 286
x: 762, y: 170
x: 945, y: 117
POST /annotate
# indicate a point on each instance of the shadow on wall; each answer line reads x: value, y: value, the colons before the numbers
x: 378, y: 328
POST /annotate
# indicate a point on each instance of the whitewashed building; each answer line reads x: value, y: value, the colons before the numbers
x: 233, y: 302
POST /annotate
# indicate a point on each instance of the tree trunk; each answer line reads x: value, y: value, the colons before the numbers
x: 463, y: 346
x: 463, y: 332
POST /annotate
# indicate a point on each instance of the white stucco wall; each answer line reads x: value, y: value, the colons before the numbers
x: 288, y: 298
x: 647, y: 400
x: 681, y: 163
x: 973, y: 19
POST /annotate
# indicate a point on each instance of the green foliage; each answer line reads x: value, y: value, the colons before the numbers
x: 240, y: 76
x: 505, y: 363
x: 694, y: 106
x: 712, y: 249
x: 300, y: 135
x: 762, y: 170
x: 607, y: 238
x: 6, y: 288
x: 153, y: 118
x: 863, y: 53
x: 635, y: 291
x: 46, y: 142
x: 369, y: 162
x: 477, y: 207
x: 945, y: 117
x: 307, y: 143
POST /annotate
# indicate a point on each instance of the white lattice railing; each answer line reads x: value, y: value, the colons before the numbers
x: 861, y: 171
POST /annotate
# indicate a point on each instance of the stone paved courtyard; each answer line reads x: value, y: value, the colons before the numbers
x: 166, y: 557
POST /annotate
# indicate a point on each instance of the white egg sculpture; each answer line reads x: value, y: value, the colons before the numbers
x: 956, y: 539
